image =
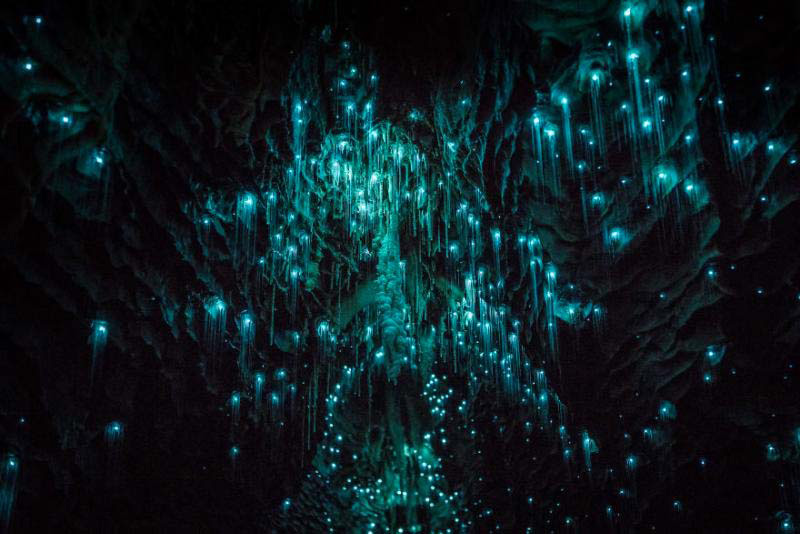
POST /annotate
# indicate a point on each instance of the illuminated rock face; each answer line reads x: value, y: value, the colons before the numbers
x: 456, y: 267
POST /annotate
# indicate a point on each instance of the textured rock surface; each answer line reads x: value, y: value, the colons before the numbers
x: 126, y: 147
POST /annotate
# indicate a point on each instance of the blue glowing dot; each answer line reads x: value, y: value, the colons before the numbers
x: 29, y: 66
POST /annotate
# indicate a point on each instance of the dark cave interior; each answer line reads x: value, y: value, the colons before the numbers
x: 349, y: 266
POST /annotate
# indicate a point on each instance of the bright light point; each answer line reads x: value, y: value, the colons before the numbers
x: 564, y: 101
x: 627, y: 12
x: 38, y: 20
x: 689, y: 8
x: 595, y: 77
x: 767, y: 88
x: 29, y: 66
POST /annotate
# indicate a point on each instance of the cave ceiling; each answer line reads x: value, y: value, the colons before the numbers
x: 307, y: 266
